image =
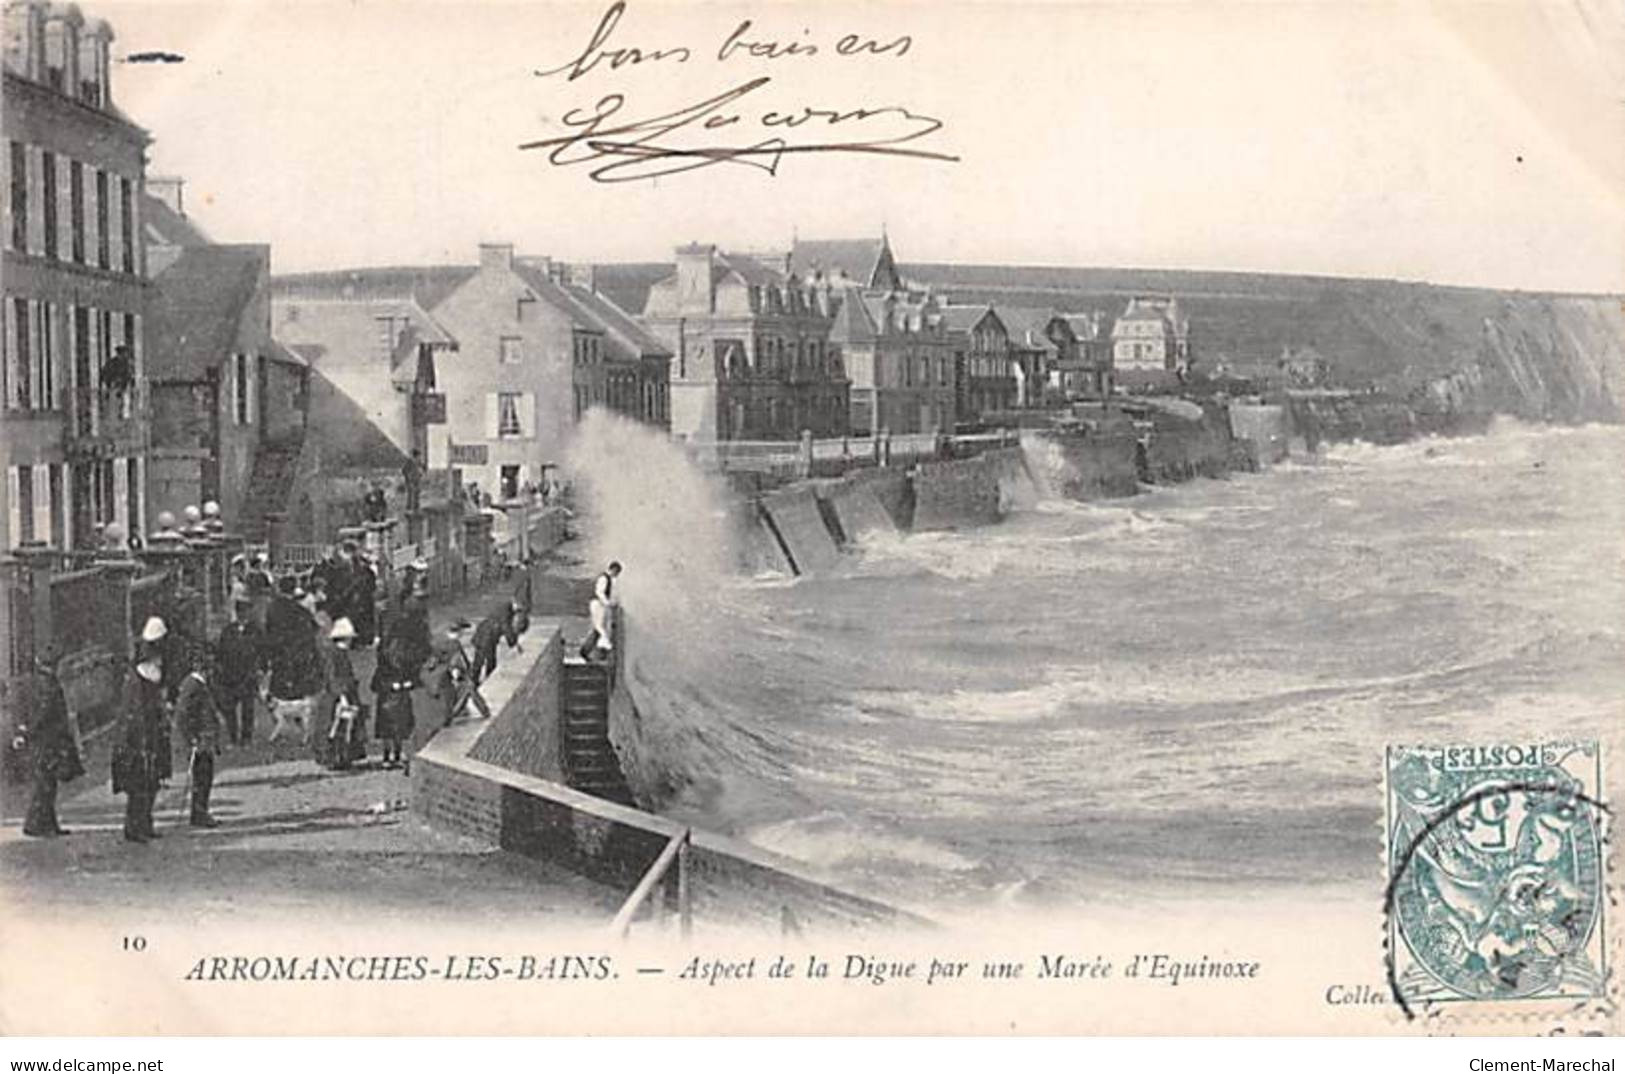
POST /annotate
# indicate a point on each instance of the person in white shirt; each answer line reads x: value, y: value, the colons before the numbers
x: 599, y: 644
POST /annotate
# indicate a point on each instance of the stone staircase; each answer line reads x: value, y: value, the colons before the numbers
x: 590, y: 764
x: 276, y: 468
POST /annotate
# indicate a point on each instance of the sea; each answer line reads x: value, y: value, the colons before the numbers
x: 1178, y: 694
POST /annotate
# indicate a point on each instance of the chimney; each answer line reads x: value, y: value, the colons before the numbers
x: 584, y: 276
x: 497, y: 255
x: 168, y: 189
x: 694, y: 289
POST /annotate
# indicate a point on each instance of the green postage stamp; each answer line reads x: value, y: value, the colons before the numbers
x: 1496, y: 873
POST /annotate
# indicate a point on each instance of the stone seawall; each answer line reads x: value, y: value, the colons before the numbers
x: 498, y: 793
x: 951, y: 495
x: 1266, y: 429
x: 803, y: 527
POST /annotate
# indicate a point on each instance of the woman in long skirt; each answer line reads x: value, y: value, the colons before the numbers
x: 344, y: 737
x: 392, y: 687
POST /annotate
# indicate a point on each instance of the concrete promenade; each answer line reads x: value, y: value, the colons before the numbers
x: 293, y: 835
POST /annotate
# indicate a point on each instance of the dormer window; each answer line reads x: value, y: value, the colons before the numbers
x: 525, y: 308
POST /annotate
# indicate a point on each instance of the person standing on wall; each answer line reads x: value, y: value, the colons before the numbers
x: 500, y: 625
x: 600, y: 644
x: 53, y: 757
x: 141, y: 760
x: 456, y: 686
x: 199, y: 721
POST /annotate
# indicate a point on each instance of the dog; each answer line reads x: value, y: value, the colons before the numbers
x: 285, y: 711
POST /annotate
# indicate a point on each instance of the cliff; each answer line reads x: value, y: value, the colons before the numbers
x: 1550, y: 357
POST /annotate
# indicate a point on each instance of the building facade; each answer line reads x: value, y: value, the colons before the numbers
x: 984, y: 382
x: 1086, y: 372
x: 222, y: 389
x: 1152, y: 334
x: 751, y: 352
x: 900, y: 358
x: 75, y: 294
x: 523, y: 349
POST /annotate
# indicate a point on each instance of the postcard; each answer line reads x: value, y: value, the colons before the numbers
x: 532, y: 518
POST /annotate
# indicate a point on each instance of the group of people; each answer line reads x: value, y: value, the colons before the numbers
x: 289, y: 647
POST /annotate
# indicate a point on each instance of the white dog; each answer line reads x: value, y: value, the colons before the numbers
x: 300, y: 710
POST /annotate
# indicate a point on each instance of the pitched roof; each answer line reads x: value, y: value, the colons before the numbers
x: 627, y: 340
x: 964, y: 318
x: 753, y: 270
x: 281, y: 352
x: 1085, y: 325
x: 856, y: 259
x: 166, y: 227
x: 622, y: 325
x: 1027, y: 324
x: 198, y: 306
x: 853, y: 322
x: 428, y: 285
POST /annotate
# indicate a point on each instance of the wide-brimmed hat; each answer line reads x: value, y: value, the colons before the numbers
x: 342, y: 629
x: 420, y: 564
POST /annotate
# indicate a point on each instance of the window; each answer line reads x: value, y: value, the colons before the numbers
x: 19, y: 196
x: 126, y: 221
x: 85, y: 418
x: 390, y: 331
x: 241, y: 377
x: 508, y: 415
x: 56, y: 54
x: 58, y: 504
x: 508, y: 350
x: 46, y: 377
x: 48, y: 204
x: 76, y: 209
x: 25, y: 505
x: 131, y: 352
x: 19, y: 367
x: 103, y: 246
x: 132, y: 492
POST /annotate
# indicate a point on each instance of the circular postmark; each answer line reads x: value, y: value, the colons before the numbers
x: 1495, y: 888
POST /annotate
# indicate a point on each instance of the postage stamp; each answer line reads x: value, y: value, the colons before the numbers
x: 1496, y: 873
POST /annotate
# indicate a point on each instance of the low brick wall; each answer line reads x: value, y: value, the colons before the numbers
x: 611, y: 844
x: 524, y: 735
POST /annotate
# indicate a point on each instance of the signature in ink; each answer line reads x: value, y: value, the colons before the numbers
x: 626, y: 151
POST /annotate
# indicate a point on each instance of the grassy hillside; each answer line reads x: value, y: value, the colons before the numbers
x: 1542, y: 356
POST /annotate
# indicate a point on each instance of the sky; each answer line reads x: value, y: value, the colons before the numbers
x: 1456, y: 143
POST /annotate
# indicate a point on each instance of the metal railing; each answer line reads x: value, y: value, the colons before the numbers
x: 802, y: 458
x: 674, y: 852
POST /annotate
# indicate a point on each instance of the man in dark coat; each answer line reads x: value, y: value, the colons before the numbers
x: 362, y: 607
x: 141, y: 760
x: 239, y: 656
x: 332, y: 577
x: 501, y: 624
x: 46, y: 735
x: 410, y: 627
x: 297, y: 668
x: 198, y: 720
